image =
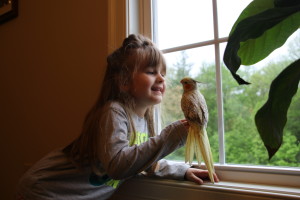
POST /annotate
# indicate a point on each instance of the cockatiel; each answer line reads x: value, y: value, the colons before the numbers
x: 195, y: 111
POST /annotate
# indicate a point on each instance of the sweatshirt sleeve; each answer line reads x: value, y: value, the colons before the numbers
x: 169, y: 169
x: 120, y: 160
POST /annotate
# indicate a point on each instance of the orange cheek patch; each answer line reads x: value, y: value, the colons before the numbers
x: 187, y: 87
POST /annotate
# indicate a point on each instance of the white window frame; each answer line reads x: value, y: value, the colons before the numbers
x: 134, y: 16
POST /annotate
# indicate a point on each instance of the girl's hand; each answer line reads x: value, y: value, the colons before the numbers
x: 185, y: 123
x: 197, y: 175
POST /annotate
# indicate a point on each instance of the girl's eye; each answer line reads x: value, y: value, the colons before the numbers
x: 150, y: 72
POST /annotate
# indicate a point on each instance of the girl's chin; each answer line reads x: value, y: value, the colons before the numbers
x: 157, y: 100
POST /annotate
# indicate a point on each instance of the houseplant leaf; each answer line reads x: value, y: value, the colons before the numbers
x: 253, y: 38
x: 255, y: 7
x: 253, y: 51
x: 271, y: 118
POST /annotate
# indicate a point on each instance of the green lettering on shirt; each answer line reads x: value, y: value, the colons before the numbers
x: 140, y: 138
x: 113, y: 183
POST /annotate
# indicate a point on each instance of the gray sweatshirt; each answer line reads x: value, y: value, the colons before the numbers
x: 55, y: 177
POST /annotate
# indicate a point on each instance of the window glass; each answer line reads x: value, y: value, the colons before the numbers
x: 181, y: 22
x: 199, y: 64
x: 243, y: 143
x: 228, y: 13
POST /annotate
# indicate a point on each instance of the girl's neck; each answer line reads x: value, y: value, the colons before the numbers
x: 140, y: 111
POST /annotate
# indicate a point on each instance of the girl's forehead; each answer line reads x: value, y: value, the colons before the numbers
x: 158, y: 67
x: 149, y: 58
x: 158, y: 64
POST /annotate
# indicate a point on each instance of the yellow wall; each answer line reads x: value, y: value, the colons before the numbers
x: 52, y: 60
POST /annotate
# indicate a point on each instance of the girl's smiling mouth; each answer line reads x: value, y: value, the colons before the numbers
x: 157, y: 89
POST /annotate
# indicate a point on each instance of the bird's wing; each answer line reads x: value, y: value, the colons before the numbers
x: 203, y: 107
x: 193, y: 109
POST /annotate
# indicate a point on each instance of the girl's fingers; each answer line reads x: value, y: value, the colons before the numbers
x: 216, y: 177
x: 196, y: 179
x: 203, y: 174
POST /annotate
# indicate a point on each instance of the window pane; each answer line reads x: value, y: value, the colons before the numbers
x: 242, y: 141
x: 228, y: 12
x: 199, y: 64
x: 181, y: 22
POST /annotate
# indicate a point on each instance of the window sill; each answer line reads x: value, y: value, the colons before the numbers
x: 147, y: 188
x: 237, y: 182
x: 265, y: 175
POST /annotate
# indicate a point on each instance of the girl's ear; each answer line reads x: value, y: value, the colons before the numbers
x: 124, y: 87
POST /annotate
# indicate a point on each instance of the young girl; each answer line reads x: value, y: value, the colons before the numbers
x: 118, y: 140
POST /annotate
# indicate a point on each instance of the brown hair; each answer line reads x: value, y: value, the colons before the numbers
x: 135, y: 53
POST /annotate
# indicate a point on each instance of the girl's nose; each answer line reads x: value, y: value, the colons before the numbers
x: 160, y: 78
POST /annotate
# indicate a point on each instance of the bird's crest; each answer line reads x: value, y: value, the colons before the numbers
x: 189, y: 80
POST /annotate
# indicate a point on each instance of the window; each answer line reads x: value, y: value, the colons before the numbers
x: 193, y: 35
x: 193, y: 50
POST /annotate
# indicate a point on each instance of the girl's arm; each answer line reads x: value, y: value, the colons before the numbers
x: 121, y: 160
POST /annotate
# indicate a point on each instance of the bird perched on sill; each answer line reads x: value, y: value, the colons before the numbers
x: 195, y: 111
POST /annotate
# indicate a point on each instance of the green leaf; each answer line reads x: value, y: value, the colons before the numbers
x: 255, y: 50
x: 271, y: 118
x: 253, y: 38
x: 286, y: 3
x: 255, y: 7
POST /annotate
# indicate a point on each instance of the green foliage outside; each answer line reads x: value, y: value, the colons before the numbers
x: 243, y: 144
x: 262, y: 27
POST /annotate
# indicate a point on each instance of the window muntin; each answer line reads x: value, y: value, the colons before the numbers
x: 242, y: 142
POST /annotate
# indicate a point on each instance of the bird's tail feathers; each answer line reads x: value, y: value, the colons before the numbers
x: 190, y: 146
x: 204, y: 145
x: 198, y: 143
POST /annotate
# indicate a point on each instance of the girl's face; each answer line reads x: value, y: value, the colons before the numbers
x: 148, y: 86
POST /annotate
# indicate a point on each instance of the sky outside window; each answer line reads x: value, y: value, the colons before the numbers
x: 183, y: 22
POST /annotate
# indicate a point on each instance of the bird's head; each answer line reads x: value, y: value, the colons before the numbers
x: 189, y: 84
